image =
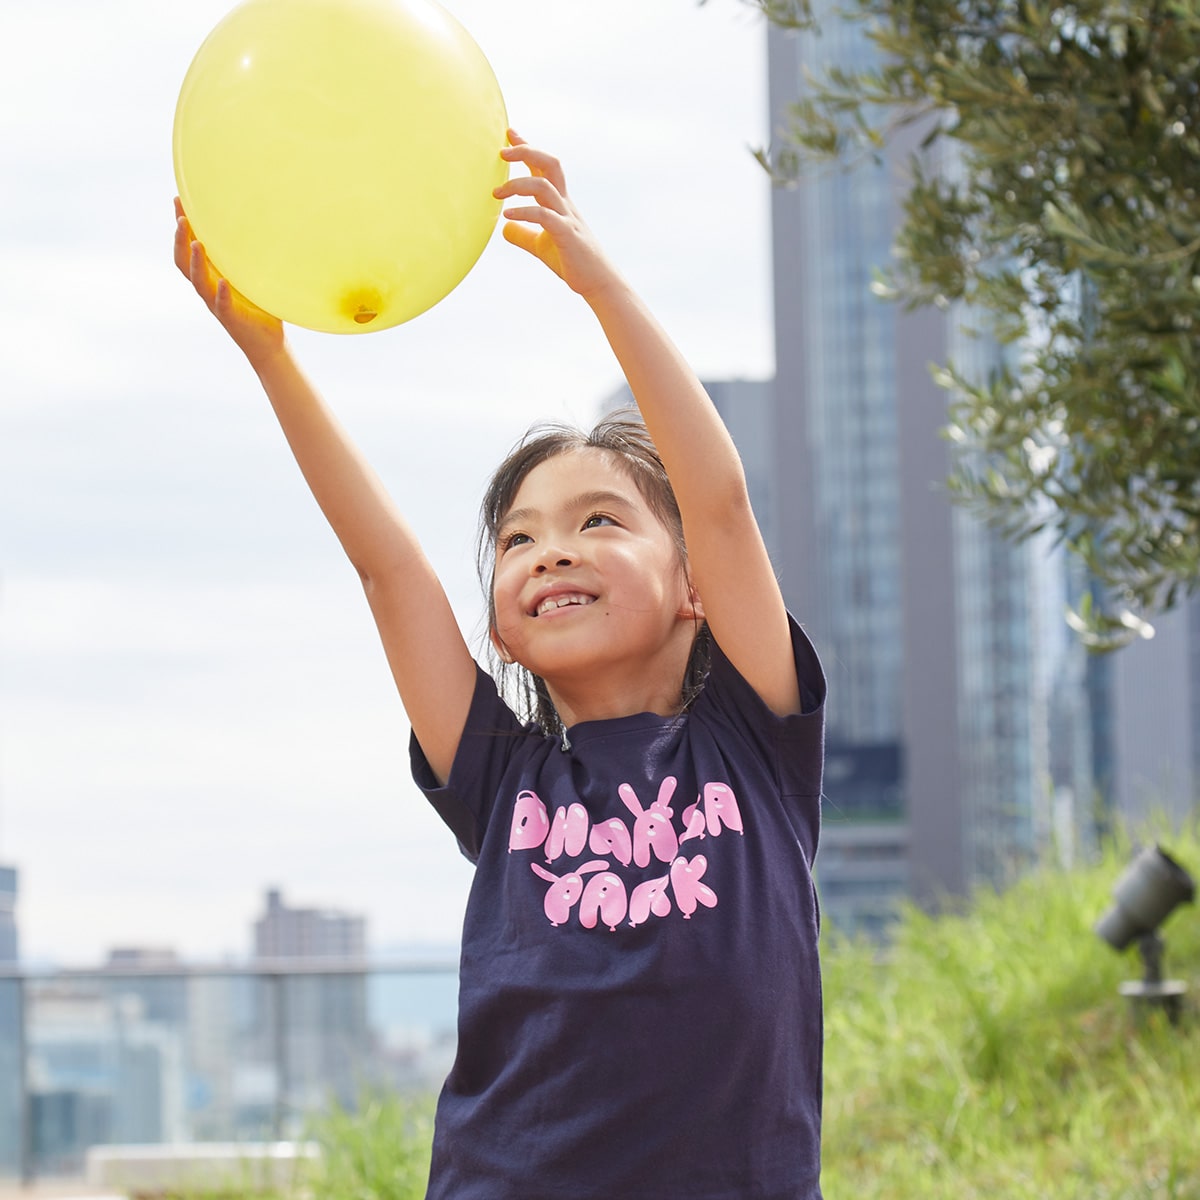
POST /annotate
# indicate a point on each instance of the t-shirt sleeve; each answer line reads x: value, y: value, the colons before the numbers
x: 490, y: 737
x: 794, y: 744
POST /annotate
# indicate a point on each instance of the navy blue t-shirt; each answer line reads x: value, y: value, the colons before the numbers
x: 640, y: 997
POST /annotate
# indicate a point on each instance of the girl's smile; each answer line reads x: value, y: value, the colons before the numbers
x: 557, y: 598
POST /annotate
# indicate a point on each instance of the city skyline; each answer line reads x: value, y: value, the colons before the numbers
x: 277, y: 929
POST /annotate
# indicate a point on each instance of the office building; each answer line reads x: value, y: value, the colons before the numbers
x: 283, y: 932
x: 100, y: 1071
x: 969, y: 732
x: 932, y: 627
x: 325, y: 1036
x: 1154, y: 715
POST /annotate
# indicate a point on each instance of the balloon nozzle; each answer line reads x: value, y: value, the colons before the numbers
x: 362, y: 305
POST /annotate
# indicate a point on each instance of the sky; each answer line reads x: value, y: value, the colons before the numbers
x: 193, y: 703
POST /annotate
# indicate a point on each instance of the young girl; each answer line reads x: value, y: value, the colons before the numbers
x: 640, y: 1005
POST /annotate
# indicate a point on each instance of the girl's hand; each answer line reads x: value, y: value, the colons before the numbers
x: 551, y: 229
x: 258, y: 334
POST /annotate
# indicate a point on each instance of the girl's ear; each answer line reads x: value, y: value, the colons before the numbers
x: 693, y: 608
x: 500, y: 648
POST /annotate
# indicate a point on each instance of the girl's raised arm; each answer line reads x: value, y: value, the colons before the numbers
x: 730, y: 566
x: 430, y: 662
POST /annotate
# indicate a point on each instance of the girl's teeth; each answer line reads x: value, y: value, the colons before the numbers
x: 561, y: 602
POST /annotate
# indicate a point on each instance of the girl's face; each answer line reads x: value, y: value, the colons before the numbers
x: 587, y: 578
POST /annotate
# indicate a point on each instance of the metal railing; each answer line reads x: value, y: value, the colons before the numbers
x: 166, y: 1054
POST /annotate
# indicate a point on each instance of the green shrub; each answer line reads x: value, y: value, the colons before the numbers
x: 988, y: 1054
x: 379, y: 1152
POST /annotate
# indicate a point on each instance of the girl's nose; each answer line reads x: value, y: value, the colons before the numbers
x: 553, y: 556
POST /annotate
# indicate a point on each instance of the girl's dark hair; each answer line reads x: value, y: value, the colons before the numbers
x: 624, y: 435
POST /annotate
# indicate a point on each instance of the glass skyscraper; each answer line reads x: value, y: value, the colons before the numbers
x: 947, y: 670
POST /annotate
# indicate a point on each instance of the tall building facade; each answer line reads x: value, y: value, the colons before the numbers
x: 969, y: 731
x: 933, y: 629
x: 1154, y: 721
x: 283, y: 932
x: 316, y: 1024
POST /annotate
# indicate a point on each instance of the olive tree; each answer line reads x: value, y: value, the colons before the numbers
x: 1069, y: 229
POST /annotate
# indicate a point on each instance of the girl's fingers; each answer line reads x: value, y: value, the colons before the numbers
x: 539, y: 163
x: 250, y: 327
x: 550, y: 221
x: 535, y: 187
x: 203, y: 275
x: 191, y: 259
x: 522, y: 236
x: 198, y: 267
x: 183, y: 246
x: 183, y: 238
x: 223, y: 300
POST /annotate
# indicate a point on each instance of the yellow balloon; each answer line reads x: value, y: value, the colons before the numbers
x: 337, y: 157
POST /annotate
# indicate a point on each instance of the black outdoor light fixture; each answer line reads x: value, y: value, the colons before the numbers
x: 1151, y: 888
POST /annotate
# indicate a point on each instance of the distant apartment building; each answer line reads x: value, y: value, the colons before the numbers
x: 101, y: 1070
x: 325, y: 1016
x: 283, y: 932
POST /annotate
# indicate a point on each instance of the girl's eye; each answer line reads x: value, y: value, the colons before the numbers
x: 513, y: 539
x: 596, y: 520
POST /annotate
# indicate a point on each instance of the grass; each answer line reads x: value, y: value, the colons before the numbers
x: 986, y: 1056
x: 380, y: 1152
x: 989, y: 1055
